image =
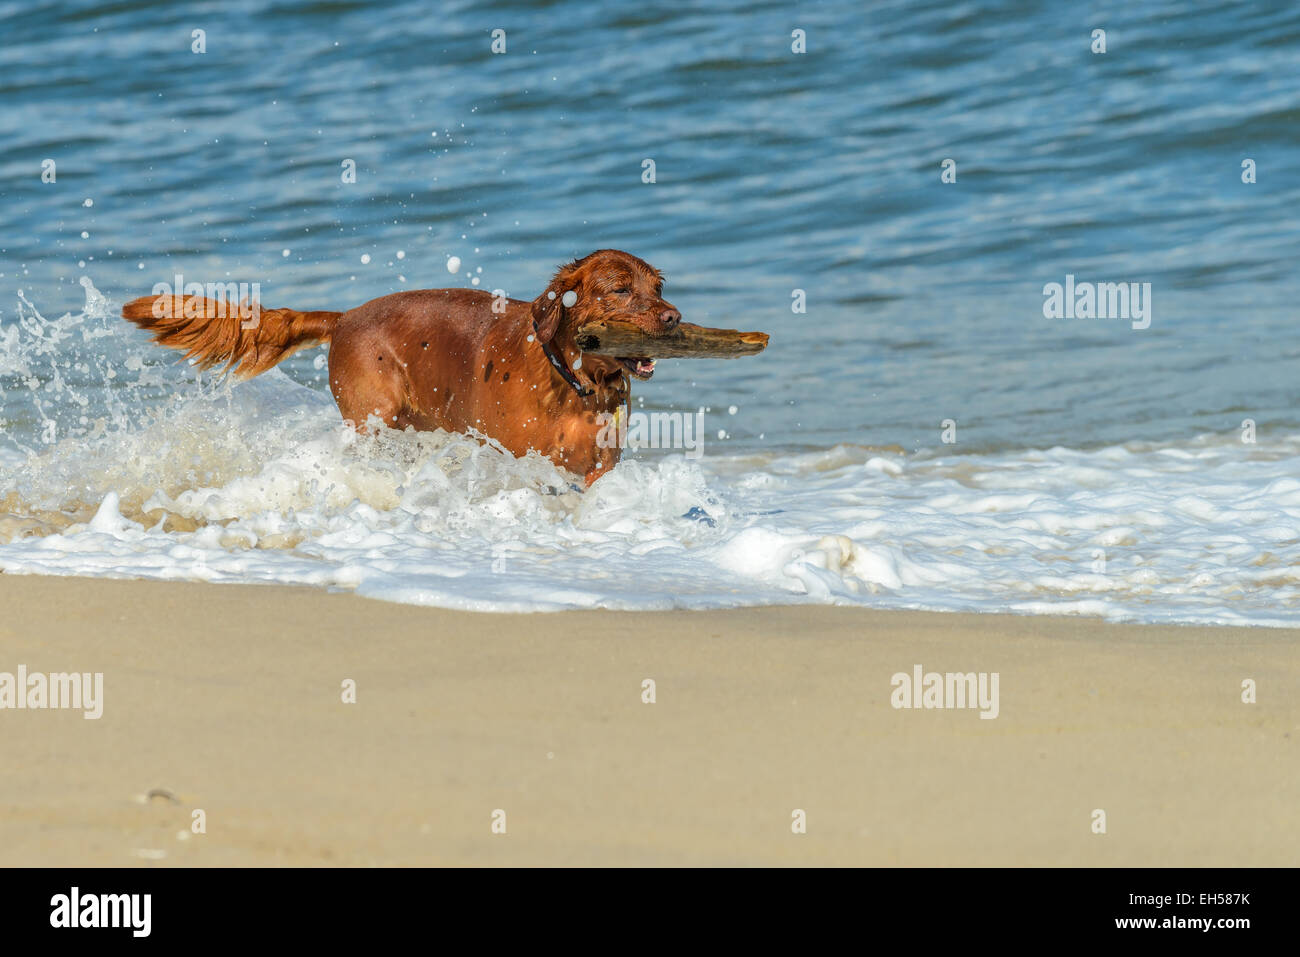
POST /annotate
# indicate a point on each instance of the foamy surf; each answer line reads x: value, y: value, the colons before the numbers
x: 156, y: 473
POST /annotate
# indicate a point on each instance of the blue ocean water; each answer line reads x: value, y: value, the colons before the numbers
x: 775, y: 171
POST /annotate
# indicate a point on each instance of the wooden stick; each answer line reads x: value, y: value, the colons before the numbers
x: 687, y: 341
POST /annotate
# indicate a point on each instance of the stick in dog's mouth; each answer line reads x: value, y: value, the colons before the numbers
x: 637, y: 349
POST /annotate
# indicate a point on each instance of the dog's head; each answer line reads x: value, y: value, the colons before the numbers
x: 608, y: 284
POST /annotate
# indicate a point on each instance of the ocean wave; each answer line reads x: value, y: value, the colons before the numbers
x: 261, y: 482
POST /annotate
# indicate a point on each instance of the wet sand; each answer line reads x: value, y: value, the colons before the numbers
x: 228, y: 700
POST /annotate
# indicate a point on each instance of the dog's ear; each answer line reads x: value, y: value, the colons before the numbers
x: 548, y: 308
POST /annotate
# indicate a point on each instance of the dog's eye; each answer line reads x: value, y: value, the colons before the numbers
x: 622, y: 291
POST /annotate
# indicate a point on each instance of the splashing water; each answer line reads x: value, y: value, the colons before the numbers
x: 119, y: 462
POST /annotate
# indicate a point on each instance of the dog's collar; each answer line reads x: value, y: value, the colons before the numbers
x: 560, y: 367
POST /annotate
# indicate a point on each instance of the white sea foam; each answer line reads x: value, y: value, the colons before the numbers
x: 260, y: 482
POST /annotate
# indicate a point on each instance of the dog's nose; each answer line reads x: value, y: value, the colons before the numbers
x: 670, y: 318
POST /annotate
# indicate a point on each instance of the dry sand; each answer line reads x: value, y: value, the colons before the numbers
x: 228, y: 699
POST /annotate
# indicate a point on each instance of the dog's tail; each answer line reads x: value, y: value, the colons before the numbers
x: 247, y: 338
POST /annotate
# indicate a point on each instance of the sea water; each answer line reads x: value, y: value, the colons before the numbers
x: 925, y: 430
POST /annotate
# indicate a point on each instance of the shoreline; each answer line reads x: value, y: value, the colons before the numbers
x: 228, y: 700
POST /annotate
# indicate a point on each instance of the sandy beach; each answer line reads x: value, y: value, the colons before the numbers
x: 229, y: 700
